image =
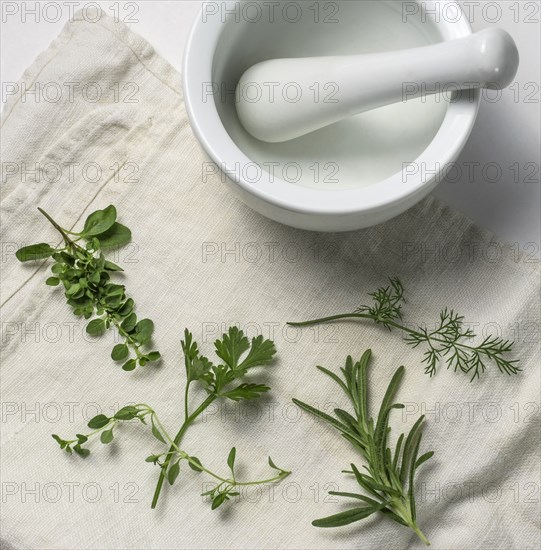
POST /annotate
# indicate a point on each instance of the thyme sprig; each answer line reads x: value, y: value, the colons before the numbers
x: 81, y: 267
x: 450, y: 341
x: 218, y: 382
x: 390, y: 477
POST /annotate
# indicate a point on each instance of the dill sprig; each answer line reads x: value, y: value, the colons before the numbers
x: 450, y: 341
x: 390, y: 476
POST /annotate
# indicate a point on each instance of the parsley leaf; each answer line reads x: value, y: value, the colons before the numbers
x: 231, y: 347
x: 246, y: 391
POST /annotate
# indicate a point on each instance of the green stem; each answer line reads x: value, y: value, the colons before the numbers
x: 403, y: 510
x: 67, y: 240
x: 280, y: 476
x: 431, y: 337
x: 176, y: 442
x: 186, y: 400
x: 420, y: 534
x: 126, y: 336
x: 332, y: 318
x: 231, y: 481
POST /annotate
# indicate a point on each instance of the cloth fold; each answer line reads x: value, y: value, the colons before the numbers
x: 201, y: 259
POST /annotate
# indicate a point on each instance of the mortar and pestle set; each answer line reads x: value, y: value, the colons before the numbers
x: 334, y: 124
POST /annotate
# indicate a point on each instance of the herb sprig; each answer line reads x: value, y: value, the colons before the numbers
x: 449, y: 341
x: 238, y: 356
x: 391, y: 474
x: 81, y: 267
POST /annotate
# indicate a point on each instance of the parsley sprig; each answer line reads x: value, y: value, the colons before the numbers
x: 81, y: 267
x: 219, y: 381
x: 390, y: 475
x: 450, y: 341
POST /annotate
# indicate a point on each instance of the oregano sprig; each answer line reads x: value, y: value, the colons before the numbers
x: 81, y: 267
x: 450, y: 341
x: 389, y: 478
x: 219, y: 381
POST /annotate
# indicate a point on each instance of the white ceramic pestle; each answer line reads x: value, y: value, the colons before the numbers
x: 282, y: 99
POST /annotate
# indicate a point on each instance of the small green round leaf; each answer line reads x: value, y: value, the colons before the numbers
x: 231, y: 459
x: 126, y: 308
x: 127, y: 413
x: 110, y: 266
x: 116, y: 235
x: 106, y: 436
x: 173, y: 472
x: 99, y: 221
x: 129, y: 365
x: 143, y: 331
x: 156, y: 433
x: 81, y: 451
x: 129, y: 322
x: 59, y: 440
x: 52, y: 281
x: 120, y: 352
x: 218, y: 500
x: 94, y: 277
x: 34, y: 252
x: 195, y: 467
x: 96, y: 327
x: 98, y: 422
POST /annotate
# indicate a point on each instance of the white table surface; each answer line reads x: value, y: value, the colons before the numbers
x: 500, y: 189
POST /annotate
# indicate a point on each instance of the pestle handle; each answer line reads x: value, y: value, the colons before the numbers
x: 282, y: 99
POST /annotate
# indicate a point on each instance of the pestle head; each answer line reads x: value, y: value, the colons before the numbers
x: 496, y: 57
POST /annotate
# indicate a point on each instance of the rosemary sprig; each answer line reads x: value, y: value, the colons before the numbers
x: 449, y: 341
x: 391, y: 474
x: 217, y: 380
x: 81, y: 267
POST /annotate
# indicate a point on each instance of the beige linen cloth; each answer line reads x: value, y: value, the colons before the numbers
x: 203, y: 260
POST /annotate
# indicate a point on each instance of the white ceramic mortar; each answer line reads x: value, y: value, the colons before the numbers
x: 353, y: 174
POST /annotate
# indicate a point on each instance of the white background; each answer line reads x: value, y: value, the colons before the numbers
x: 500, y: 190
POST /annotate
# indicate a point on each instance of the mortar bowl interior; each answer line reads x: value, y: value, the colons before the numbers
x: 354, y: 173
